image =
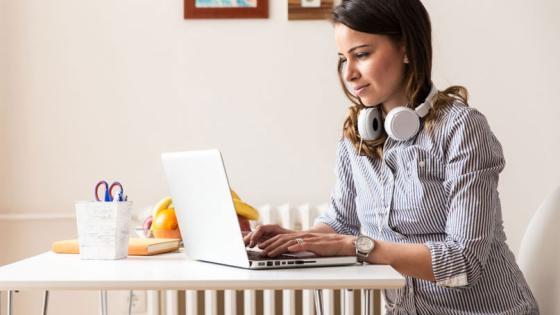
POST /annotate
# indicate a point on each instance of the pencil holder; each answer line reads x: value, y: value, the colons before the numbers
x: 103, y: 229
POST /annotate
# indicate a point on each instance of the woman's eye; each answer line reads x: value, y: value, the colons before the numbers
x: 341, y: 60
x: 362, y: 55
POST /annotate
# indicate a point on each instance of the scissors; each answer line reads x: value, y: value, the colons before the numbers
x: 109, y: 194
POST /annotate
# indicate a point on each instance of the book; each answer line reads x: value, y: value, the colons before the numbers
x: 136, y: 246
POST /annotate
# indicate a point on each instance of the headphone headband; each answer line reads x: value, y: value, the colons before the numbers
x: 423, y: 109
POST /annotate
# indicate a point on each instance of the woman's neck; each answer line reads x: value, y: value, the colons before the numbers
x: 397, y: 99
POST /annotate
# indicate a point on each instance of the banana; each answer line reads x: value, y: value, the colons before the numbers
x: 234, y: 195
x: 245, y: 210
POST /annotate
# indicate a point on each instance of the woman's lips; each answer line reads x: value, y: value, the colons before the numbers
x: 360, y: 89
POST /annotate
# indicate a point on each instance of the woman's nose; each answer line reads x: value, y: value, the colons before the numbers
x: 350, y: 73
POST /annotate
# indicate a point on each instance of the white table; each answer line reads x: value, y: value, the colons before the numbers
x: 50, y: 271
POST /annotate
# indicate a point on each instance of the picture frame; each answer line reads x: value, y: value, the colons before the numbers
x: 225, y: 9
x: 310, y: 9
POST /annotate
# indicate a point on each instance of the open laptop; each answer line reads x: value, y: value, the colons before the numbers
x: 207, y: 218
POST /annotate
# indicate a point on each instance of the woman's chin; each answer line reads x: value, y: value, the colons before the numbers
x: 368, y: 102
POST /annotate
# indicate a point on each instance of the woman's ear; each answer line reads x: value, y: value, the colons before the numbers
x: 403, y: 50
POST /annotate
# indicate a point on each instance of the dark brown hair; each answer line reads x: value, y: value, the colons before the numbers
x: 406, y: 22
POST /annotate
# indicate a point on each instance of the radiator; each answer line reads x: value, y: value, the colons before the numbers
x: 269, y: 302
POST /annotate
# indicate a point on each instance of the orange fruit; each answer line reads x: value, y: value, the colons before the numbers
x: 165, y: 220
x: 167, y: 233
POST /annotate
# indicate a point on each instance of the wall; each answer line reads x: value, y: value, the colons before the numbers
x: 506, y: 52
x: 3, y: 100
x: 98, y: 89
x: 109, y: 85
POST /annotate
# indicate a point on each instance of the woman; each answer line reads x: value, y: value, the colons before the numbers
x: 417, y: 174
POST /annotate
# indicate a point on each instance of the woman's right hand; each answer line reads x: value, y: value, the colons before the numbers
x: 264, y: 232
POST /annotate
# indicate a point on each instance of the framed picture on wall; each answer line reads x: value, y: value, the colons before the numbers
x: 310, y: 9
x: 226, y: 9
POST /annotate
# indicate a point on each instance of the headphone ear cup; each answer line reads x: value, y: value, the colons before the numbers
x: 402, y: 123
x: 369, y: 124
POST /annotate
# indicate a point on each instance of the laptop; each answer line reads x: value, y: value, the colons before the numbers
x: 208, y: 221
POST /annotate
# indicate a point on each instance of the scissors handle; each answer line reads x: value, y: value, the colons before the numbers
x: 107, y: 196
x: 119, y: 193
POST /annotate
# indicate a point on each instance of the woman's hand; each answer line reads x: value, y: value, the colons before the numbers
x: 322, y: 244
x: 263, y: 233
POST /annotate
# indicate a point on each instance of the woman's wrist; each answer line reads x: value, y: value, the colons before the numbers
x: 379, y: 254
x: 350, y: 247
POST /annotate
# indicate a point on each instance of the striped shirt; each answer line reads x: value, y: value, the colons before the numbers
x: 439, y: 189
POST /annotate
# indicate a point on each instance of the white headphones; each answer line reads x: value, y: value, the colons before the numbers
x: 401, y: 123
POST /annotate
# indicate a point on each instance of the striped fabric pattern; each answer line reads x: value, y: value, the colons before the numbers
x: 438, y: 189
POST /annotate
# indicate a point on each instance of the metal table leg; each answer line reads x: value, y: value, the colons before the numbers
x: 318, y: 301
x: 45, y: 302
x: 10, y: 302
x: 103, y: 301
x: 130, y: 295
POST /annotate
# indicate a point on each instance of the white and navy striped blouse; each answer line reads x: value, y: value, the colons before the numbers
x: 439, y: 189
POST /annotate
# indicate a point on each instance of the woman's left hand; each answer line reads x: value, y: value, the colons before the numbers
x: 322, y: 244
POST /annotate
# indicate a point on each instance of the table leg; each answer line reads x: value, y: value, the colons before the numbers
x: 103, y: 301
x: 318, y: 301
x: 106, y: 309
x: 130, y: 295
x: 45, y: 302
x: 10, y: 302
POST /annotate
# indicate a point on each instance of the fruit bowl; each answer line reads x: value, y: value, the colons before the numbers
x: 160, y: 233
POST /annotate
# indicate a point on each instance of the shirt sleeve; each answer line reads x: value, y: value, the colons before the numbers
x: 474, y: 160
x: 341, y: 213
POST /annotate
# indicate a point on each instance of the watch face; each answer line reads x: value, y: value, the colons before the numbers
x: 364, y: 244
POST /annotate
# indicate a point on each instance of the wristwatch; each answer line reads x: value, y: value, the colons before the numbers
x: 364, y: 245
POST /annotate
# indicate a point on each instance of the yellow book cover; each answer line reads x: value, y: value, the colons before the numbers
x: 136, y: 246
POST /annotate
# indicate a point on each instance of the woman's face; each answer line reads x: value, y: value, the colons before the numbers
x: 374, y: 66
